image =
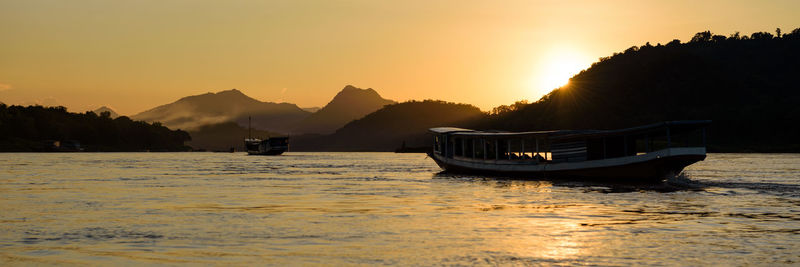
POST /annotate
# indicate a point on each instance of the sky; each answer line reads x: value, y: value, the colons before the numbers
x: 135, y: 55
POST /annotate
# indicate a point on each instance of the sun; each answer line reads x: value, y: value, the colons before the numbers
x: 556, y: 69
x: 558, y: 72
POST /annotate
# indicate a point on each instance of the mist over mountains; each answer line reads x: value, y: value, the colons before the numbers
x: 192, y: 112
x: 312, y: 109
x: 218, y: 120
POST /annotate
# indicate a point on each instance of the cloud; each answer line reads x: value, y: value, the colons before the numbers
x: 4, y: 86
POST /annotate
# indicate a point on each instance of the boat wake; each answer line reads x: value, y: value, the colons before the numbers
x: 681, y: 182
x: 778, y: 189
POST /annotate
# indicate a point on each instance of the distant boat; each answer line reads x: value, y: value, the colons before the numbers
x: 269, y: 146
x: 644, y: 153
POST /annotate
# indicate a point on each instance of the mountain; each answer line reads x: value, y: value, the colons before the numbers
x: 349, y: 104
x: 392, y: 126
x: 110, y: 111
x: 232, y: 105
x: 747, y: 85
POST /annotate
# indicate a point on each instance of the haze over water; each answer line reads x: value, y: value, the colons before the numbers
x: 385, y: 208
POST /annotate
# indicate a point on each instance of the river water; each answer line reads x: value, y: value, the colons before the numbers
x: 385, y: 208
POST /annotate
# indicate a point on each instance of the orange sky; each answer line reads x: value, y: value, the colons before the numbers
x: 135, y: 55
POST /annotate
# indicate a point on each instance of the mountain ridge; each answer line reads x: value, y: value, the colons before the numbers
x: 192, y: 112
x: 348, y: 104
x: 210, y: 115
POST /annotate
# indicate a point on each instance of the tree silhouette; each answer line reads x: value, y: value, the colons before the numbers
x: 701, y: 37
x: 761, y: 36
x: 27, y: 129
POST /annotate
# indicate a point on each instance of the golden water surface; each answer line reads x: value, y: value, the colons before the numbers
x: 385, y: 208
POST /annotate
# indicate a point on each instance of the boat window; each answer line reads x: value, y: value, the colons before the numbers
x: 530, y: 148
x: 595, y: 148
x: 436, y: 144
x: 515, y: 146
x: 469, y: 147
x: 544, y: 151
x: 491, y: 149
x: 650, y: 141
x: 478, y: 148
x: 450, y: 146
x: 502, y: 149
x: 615, y: 146
x: 645, y: 142
x: 458, y: 146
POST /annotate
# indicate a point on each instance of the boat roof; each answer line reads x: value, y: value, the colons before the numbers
x: 564, y: 134
x: 445, y: 130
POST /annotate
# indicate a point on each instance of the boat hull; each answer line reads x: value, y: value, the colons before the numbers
x: 271, y: 152
x: 269, y: 147
x: 654, y: 166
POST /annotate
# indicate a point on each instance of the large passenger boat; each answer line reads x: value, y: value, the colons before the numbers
x: 645, y: 153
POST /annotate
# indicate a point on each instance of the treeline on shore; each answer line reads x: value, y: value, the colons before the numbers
x: 747, y: 85
x: 37, y: 128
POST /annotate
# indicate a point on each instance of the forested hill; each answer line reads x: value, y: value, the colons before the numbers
x: 349, y: 104
x: 37, y: 128
x: 392, y: 126
x: 748, y: 86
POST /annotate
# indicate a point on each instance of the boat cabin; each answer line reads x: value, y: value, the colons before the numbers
x: 487, y: 149
x: 566, y: 145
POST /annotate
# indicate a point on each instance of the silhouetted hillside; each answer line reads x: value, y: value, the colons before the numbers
x: 387, y: 128
x: 111, y: 112
x: 223, y: 136
x: 232, y: 105
x: 349, y: 104
x: 748, y: 86
x: 37, y: 128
